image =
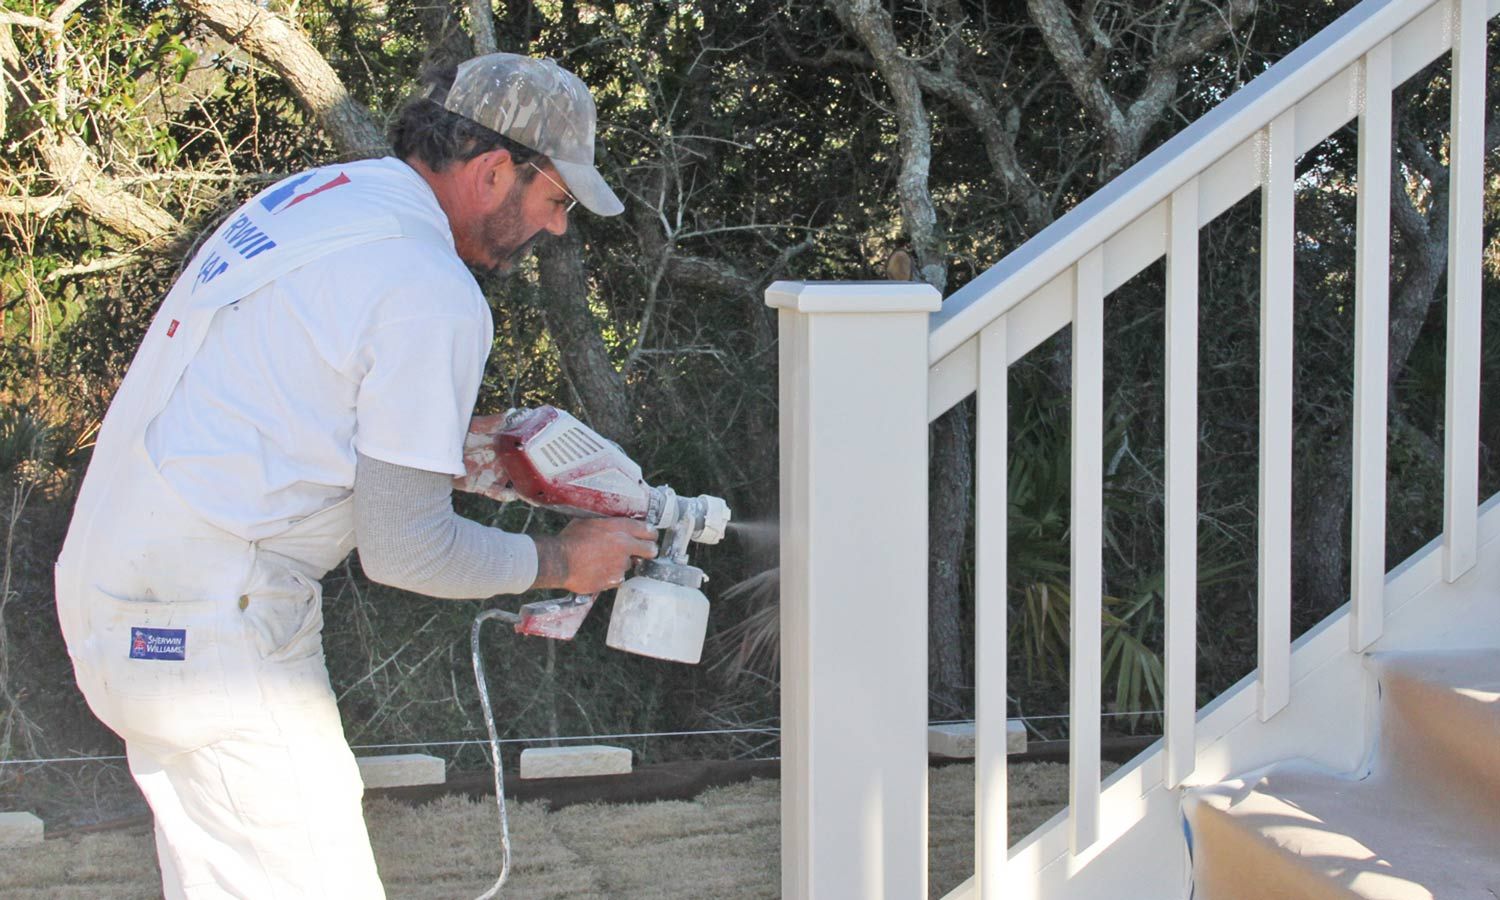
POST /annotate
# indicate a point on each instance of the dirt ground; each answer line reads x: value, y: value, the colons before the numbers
x: 723, y: 844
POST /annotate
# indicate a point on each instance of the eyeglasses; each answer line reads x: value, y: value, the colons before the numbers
x: 572, y: 200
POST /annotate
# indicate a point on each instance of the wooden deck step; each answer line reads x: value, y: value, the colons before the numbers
x: 1422, y: 822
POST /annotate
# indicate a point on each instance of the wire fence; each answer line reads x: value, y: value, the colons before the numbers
x: 474, y: 742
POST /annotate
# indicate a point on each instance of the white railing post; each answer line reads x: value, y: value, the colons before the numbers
x: 853, y: 419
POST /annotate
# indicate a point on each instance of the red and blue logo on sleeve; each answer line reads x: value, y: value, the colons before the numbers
x: 158, y: 643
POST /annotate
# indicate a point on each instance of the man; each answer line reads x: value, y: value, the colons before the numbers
x: 304, y: 389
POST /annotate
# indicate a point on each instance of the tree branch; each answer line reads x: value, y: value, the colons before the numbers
x: 99, y: 195
x: 1202, y: 38
x: 288, y: 51
x: 10, y: 18
x: 831, y: 56
x: 482, y: 23
x: 59, y: 16
x: 27, y: 205
x: 999, y: 142
x: 84, y: 184
x: 1055, y: 23
x: 564, y: 292
x: 102, y: 264
x: 871, y: 23
x: 1126, y: 130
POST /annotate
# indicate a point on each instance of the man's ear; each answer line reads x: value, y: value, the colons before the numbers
x: 496, y: 163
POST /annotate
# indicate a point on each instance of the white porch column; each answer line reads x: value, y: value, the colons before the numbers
x: 853, y: 396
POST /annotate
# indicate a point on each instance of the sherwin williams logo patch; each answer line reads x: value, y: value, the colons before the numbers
x: 158, y: 643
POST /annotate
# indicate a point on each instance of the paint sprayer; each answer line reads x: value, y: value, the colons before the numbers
x: 548, y: 458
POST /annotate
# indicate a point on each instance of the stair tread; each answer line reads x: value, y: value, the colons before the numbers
x: 1440, y: 720
x: 1473, y: 675
x: 1373, y: 838
x: 1422, y: 823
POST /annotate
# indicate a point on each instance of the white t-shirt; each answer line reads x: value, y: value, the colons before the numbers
x: 378, y: 348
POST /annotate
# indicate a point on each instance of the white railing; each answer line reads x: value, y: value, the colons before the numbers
x: 859, y: 387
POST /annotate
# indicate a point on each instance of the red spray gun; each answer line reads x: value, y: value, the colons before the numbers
x: 548, y: 458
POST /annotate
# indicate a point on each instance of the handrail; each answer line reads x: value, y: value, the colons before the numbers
x: 1152, y: 180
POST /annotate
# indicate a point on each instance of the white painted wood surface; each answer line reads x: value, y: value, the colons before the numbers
x: 1372, y: 300
x: 853, y: 588
x: 1032, y: 288
x: 992, y: 470
x: 1085, y: 527
x: 1181, y: 588
x: 1465, y: 289
x: 1274, y: 512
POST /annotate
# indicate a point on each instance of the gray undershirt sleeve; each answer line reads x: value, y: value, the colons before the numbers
x: 409, y: 537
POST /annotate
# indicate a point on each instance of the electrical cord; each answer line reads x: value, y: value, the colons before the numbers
x: 489, y: 723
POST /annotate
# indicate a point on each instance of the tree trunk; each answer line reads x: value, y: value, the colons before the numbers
x: 447, y: 42
x: 599, y: 388
x: 952, y: 484
x: 1320, y: 560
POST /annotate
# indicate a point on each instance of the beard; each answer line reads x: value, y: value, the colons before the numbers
x: 504, y: 234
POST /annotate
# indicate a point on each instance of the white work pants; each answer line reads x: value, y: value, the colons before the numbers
x: 238, y: 745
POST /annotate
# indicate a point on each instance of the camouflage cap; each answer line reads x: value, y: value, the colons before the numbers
x: 537, y: 103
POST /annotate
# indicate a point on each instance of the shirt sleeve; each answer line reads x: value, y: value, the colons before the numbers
x: 409, y: 537
x: 415, y: 399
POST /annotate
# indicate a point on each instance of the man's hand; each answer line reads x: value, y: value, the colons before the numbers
x: 483, y: 473
x: 592, y: 555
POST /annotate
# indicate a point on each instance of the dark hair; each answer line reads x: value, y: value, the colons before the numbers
x: 422, y: 129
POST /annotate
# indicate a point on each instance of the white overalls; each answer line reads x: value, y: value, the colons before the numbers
x: 204, y: 650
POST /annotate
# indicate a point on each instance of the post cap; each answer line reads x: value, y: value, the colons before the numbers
x: 854, y: 296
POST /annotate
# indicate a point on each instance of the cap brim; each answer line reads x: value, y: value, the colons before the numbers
x: 588, y: 186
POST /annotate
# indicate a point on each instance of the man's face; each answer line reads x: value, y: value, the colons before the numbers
x: 516, y: 212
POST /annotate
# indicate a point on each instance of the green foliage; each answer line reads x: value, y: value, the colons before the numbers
x: 25, y: 437
x: 1041, y: 628
x: 1039, y: 486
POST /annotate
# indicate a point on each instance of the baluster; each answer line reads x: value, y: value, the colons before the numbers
x: 1086, y: 527
x: 1276, y: 236
x: 1372, y: 269
x: 1465, y: 221
x: 1181, y: 590
x: 990, y: 532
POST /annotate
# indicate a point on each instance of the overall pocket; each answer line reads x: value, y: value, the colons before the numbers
x: 283, y: 609
x: 156, y: 670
